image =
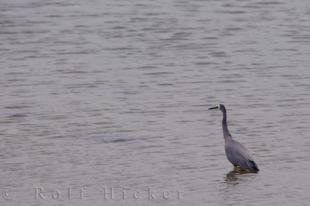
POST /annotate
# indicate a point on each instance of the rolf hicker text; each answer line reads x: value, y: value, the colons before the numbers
x: 105, y: 193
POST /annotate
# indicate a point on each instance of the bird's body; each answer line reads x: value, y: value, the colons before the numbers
x: 236, y: 153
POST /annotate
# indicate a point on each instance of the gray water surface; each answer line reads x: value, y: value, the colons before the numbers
x: 101, y: 97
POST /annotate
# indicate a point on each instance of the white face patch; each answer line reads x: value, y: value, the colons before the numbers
x: 218, y: 106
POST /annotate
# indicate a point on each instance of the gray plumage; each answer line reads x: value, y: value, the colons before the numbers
x: 236, y: 153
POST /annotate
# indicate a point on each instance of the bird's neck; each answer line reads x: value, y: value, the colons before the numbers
x: 226, y: 132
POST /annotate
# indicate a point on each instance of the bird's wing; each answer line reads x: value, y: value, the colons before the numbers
x: 237, y: 154
x: 242, y: 151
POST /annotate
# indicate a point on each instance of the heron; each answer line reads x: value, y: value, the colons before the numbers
x: 236, y: 153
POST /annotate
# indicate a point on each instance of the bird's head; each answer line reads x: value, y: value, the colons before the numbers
x: 219, y: 107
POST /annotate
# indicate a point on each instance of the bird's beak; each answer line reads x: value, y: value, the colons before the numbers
x: 213, y: 107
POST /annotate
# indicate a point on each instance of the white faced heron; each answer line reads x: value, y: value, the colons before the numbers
x: 236, y: 153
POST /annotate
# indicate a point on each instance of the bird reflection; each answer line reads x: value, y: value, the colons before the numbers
x: 232, y: 176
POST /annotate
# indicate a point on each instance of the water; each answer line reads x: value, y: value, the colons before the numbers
x: 100, y: 95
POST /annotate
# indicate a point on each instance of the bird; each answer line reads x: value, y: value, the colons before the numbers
x: 235, y: 152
